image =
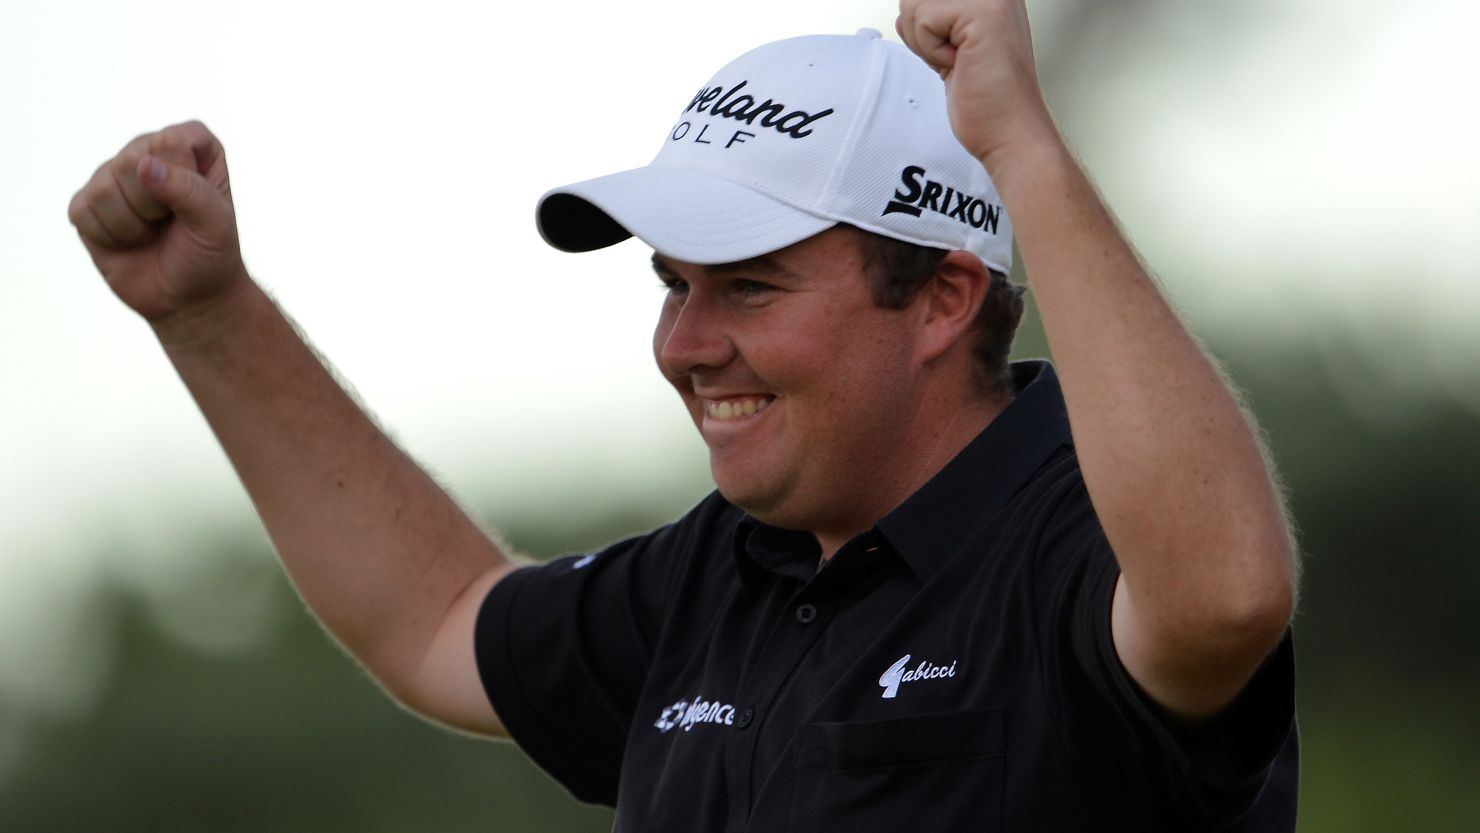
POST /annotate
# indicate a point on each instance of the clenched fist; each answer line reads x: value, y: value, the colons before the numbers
x: 159, y: 223
x: 984, y: 51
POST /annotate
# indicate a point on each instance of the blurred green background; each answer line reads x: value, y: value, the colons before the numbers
x: 1287, y: 168
x: 283, y: 734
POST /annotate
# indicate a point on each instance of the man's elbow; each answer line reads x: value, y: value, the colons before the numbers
x: 1232, y: 600
x: 1258, y: 617
x: 1248, y: 614
x: 1271, y: 587
x: 1193, y: 651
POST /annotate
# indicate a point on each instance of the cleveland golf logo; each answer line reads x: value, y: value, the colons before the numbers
x: 726, y: 105
x: 722, y: 103
x: 920, y: 193
x: 897, y: 674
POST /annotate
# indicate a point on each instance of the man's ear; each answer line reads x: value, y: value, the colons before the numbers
x: 948, y: 304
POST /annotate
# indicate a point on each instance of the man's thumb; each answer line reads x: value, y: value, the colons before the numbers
x: 185, y: 192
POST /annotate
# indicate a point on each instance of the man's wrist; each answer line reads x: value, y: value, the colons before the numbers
x: 205, y: 321
x: 1026, y: 161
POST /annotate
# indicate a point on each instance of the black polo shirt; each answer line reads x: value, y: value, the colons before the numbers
x: 951, y: 669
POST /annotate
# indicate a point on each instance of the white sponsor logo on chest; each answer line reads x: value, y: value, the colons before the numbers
x: 897, y: 674
x: 686, y: 714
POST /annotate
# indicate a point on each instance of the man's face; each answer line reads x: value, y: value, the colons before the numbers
x: 799, y: 384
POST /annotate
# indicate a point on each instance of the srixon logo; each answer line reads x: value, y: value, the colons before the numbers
x: 918, y: 194
x: 898, y: 673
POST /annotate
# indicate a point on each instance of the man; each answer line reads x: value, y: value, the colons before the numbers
x: 914, y: 599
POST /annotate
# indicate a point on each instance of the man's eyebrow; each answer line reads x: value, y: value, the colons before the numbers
x: 762, y: 265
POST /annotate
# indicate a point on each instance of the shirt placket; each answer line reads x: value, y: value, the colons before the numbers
x: 797, y: 620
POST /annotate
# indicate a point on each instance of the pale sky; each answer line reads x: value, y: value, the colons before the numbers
x: 386, y: 158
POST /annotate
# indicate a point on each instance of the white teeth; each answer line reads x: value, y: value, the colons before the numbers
x: 735, y: 408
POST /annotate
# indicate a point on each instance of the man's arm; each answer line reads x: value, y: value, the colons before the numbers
x: 389, y: 563
x: 1173, y: 467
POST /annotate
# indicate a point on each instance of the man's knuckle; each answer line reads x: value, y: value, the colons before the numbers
x: 76, y: 209
x: 93, y: 196
x: 169, y: 142
x: 121, y: 167
x: 130, y: 193
x: 100, y: 230
x: 194, y: 134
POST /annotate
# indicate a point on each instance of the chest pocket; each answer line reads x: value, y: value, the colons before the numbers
x: 935, y: 772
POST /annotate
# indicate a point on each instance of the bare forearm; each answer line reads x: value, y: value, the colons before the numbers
x: 1172, y: 464
x: 375, y: 547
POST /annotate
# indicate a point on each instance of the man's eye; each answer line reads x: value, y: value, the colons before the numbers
x: 753, y: 289
x: 675, y: 286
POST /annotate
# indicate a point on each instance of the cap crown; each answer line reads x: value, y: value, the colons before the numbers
x: 849, y: 128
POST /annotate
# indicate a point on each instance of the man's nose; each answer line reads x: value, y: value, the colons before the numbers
x: 693, y: 337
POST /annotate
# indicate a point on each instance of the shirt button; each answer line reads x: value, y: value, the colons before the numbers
x: 806, y: 613
x: 744, y: 719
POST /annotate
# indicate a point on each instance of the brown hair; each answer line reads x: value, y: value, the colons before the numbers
x: 898, y: 270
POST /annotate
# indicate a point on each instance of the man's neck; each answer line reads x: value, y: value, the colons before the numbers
x: 943, y: 433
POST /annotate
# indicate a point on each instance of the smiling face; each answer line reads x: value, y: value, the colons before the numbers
x: 803, y: 389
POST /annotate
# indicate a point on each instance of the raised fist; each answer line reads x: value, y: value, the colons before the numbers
x: 159, y: 222
x: 983, y: 49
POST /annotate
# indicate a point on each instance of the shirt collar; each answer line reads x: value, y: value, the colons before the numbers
x: 979, y: 481
x: 966, y: 494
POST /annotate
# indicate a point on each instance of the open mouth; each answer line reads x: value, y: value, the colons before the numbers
x: 736, y: 407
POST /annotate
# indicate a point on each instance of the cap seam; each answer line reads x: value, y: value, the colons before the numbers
x: 867, y: 105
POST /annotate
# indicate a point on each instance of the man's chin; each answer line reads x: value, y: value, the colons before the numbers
x: 754, y: 504
x: 768, y: 506
x: 748, y: 493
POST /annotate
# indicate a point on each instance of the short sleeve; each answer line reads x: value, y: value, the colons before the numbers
x: 563, y: 649
x: 1218, y: 777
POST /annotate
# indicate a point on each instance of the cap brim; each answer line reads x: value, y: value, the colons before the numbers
x: 684, y: 214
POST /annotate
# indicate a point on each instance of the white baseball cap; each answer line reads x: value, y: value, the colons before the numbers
x: 786, y: 141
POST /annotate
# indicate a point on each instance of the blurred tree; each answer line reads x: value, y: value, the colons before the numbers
x: 287, y: 736
x: 284, y: 734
